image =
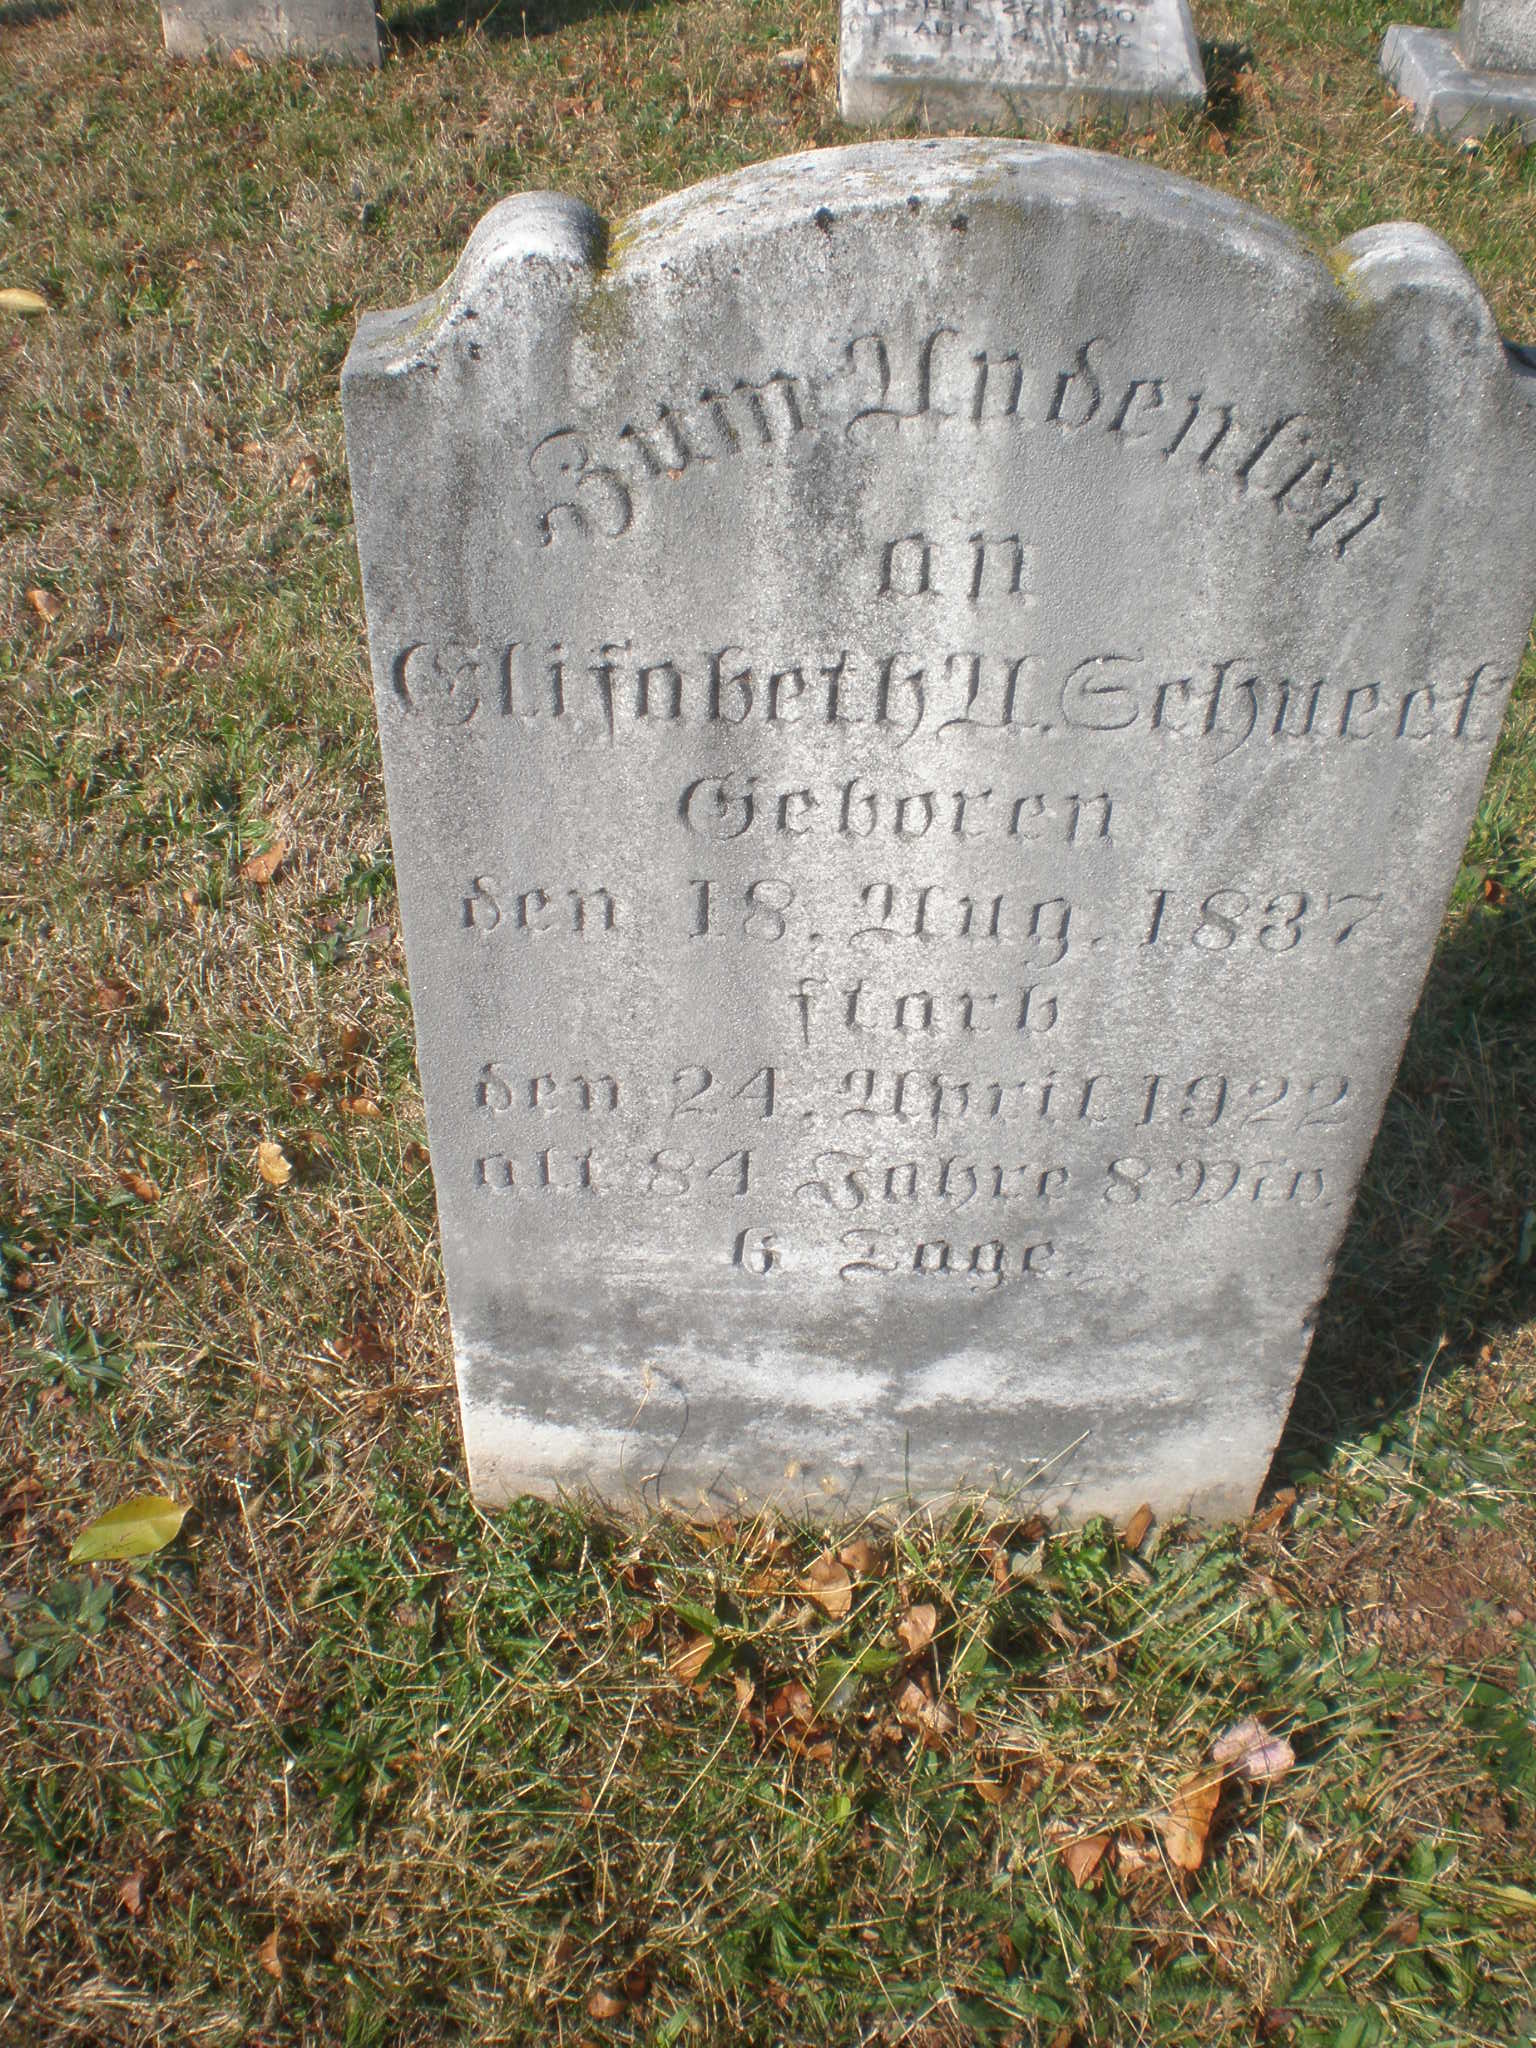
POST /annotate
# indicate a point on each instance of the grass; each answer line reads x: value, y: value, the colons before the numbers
x: 350, y: 1763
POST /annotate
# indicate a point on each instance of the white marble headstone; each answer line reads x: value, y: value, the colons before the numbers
x: 931, y: 698
x: 1481, y: 78
x: 323, y: 31
x: 989, y: 63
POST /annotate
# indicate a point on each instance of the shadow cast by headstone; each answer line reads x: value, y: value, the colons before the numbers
x: 22, y: 13
x: 1430, y: 1266
x: 436, y: 21
x: 1224, y: 62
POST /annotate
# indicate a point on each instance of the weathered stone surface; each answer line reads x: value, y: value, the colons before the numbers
x: 1449, y: 96
x: 981, y: 63
x: 1498, y: 35
x: 330, y: 31
x: 931, y: 696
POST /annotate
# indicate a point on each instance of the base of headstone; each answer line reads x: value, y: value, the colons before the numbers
x: 1449, y: 98
x: 981, y: 64
x: 323, y: 31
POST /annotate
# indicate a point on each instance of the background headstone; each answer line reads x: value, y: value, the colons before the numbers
x: 1483, y: 77
x: 1498, y: 35
x: 979, y: 63
x: 331, y: 31
x: 931, y: 696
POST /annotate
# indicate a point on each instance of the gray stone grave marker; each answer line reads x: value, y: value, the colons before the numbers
x: 328, y: 31
x: 1483, y: 77
x: 981, y: 63
x: 931, y: 697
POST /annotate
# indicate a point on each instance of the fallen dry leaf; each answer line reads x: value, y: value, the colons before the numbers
x: 136, y: 1184
x: 130, y: 1893
x: 307, y: 475
x: 1494, y: 891
x: 828, y: 1584
x: 268, y: 1956
x: 242, y: 60
x: 273, y: 1164
x: 689, y: 1661
x: 914, y: 1709
x: 602, y: 2005
x: 261, y: 867
x: 15, y: 298
x: 1083, y: 1858
x: 916, y: 1627
x: 767, y: 1585
x: 1275, y: 1513
x: 1136, y: 1528
x: 359, y: 1105
x: 790, y: 1703
x: 1248, y: 1751
x: 1186, y: 1824
x: 45, y: 604
x: 989, y: 1790
x: 744, y: 1689
x: 862, y: 1558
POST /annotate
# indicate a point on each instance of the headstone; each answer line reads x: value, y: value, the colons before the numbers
x: 326, y: 31
x: 931, y: 697
x: 1499, y: 35
x: 984, y: 63
x: 1481, y: 78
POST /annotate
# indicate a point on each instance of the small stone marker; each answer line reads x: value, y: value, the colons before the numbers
x: 325, y: 31
x: 1483, y: 77
x: 981, y: 63
x: 931, y: 697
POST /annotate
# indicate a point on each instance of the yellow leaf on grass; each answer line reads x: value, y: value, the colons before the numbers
x: 273, y: 1164
x: 134, y: 1528
x: 1186, y: 1824
x: 828, y: 1584
x: 268, y: 1956
x: 25, y: 305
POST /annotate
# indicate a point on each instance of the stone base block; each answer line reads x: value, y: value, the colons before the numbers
x: 324, y: 31
x: 1448, y: 96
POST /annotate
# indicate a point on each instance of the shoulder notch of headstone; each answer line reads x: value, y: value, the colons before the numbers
x: 1400, y: 262
x: 533, y: 236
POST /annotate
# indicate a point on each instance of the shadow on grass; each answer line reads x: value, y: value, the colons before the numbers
x: 436, y: 21
x: 1433, y: 1248
x: 1223, y: 63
